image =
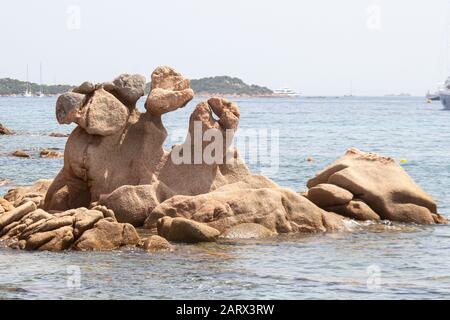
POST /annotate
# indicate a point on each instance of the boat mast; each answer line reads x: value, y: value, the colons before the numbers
x: 40, y: 78
x: 28, y: 84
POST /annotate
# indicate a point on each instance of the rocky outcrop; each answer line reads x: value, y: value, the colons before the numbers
x: 199, y: 191
x: 35, y: 193
x: 115, y: 156
x: 380, y: 187
x: 5, y: 131
x: 29, y: 228
x: 277, y: 210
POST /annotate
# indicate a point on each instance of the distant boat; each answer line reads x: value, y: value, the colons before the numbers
x: 27, y: 93
x: 351, y: 91
x: 286, y: 92
x: 41, y: 91
x: 433, y: 94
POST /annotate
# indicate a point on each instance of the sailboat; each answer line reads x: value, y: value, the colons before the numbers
x: 27, y: 93
x: 351, y: 90
x: 41, y: 91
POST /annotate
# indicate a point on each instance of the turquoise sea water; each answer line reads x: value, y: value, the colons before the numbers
x: 374, y: 261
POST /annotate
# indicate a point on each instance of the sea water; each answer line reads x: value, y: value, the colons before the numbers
x: 375, y: 261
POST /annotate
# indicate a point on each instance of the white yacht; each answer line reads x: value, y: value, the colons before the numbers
x: 444, y: 94
x: 286, y: 92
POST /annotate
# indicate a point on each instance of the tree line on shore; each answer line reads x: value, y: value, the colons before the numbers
x: 223, y: 85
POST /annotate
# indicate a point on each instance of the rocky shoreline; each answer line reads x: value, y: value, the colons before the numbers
x: 117, y: 177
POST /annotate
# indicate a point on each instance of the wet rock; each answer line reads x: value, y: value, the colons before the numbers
x: 20, y: 154
x: 247, y: 231
x: 355, y: 209
x: 326, y: 195
x: 107, y: 235
x: 5, y: 131
x: 383, y: 185
x: 185, y: 230
x: 50, y: 154
x: 156, y: 243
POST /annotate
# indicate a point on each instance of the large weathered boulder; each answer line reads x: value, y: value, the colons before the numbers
x: 278, y: 210
x: 127, y: 88
x: 133, y: 204
x: 107, y: 235
x: 383, y: 185
x: 186, y: 230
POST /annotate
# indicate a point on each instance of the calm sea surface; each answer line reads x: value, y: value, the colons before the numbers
x: 374, y: 261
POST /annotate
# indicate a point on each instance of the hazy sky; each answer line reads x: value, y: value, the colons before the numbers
x: 316, y: 47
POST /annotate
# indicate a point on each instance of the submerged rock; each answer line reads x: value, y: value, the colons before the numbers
x: 247, y: 231
x: 5, y: 131
x: 156, y: 243
x: 20, y: 154
x: 50, y: 154
x: 58, y: 135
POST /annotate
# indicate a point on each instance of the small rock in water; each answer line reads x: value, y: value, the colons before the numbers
x: 50, y: 154
x: 20, y: 154
x: 5, y: 131
x: 156, y: 243
x: 58, y: 135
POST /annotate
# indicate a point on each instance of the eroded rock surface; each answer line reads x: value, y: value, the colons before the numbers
x: 381, y: 184
x: 117, y: 175
x: 29, y: 228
